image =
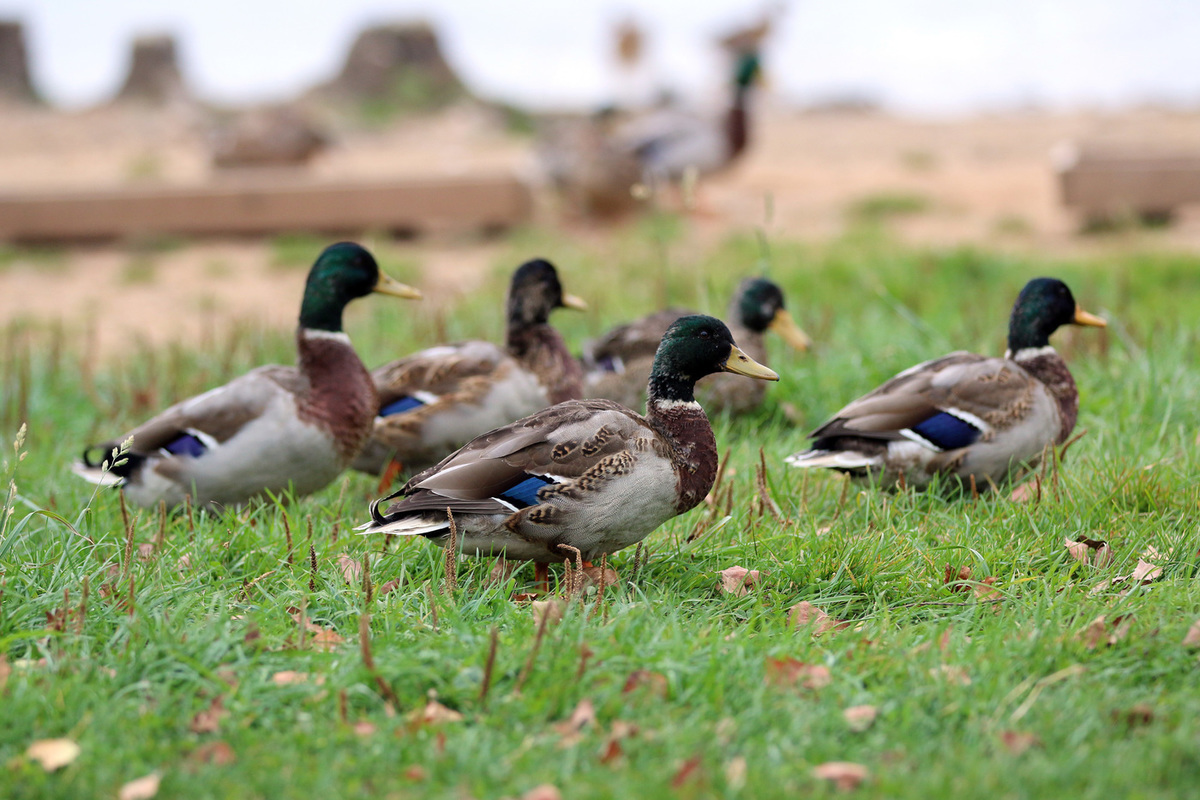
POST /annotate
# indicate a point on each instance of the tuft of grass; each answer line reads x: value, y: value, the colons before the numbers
x: 888, y: 205
x: 211, y: 650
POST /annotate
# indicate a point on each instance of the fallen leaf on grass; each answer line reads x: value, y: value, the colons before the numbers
x: 434, y: 713
x: 551, y: 611
x: 686, y: 772
x: 653, y: 682
x: 364, y: 728
x: 1191, y: 639
x: 951, y: 673
x: 218, y: 753
x: 1089, y: 551
x: 986, y: 589
x: 544, y: 792
x: 5, y: 671
x: 289, y: 677
x: 351, y: 569
x: 1143, y: 573
x: 592, y: 576
x: 388, y: 587
x: 209, y: 719
x: 859, y: 718
x: 738, y: 580
x: 415, y: 773
x: 141, y: 789
x: 735, y: 772
x: 953, y: 578
x: 321, y: 638
x: 845, y: 775
x: 1100, y: 631
x: 571, y: 728
x: 1017, y: 742
x: 1027, y: 491
x: 805, y: 614
x: 789, y: 672
x: 53, y: 754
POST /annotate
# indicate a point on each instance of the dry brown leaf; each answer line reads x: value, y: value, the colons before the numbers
x: 859, y: 718
x: 653, y: 682
x: 1026, y: 492
x: 289, y: 677
x: 388, y: 587
x: 1191, y: 639
x: 951, y: 673
x: 1089, y: 551
x: 612, y: 749
x: 986, y: 589
x: 736, y: 770
x: 1100, y: 631
x: 218, y: 752
x: 364, y: 728
x: 551, y: 611
x: 592, y: 576
x: 571, y: 728
x: 544, y: 792
x: 145, y: 552
x: 351, y: 569
x: 53, y: 754
x: 789, y: 672
x: 805, y: 614
x: 1017, y: 742
x: 141, y: 789
x: 184, y: 563
x: 5, y: 671
x: 1145, y: 572
x: 953, y: 576
x: 738, y: 580
x: 434, y: 713
x: 687, y: 770
x: 845, y: 775
x: 209, y: 719
x: 415, y: 773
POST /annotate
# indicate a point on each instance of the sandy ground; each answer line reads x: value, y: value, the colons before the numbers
x: 986, y: 180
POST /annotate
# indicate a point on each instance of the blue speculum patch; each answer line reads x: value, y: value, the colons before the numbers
x: 399, y: 406
x: 947, y: 431
x: 524, y: 494
x: 186, y: 445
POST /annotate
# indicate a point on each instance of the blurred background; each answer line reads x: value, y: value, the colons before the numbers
x: 129, y: 129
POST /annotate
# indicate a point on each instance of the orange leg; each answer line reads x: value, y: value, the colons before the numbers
x: 390, y: 473
x: 541, y: 576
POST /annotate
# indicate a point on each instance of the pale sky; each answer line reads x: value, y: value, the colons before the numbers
x: 925, y: 56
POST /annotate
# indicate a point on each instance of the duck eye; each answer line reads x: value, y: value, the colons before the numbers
x: 704, y: 334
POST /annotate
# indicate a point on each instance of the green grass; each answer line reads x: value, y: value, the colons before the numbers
x: 209, y: 616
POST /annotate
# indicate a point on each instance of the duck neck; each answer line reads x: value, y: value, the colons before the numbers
x: 737, y: 123
x: 541, y: 350
x: 672, y: 410
x: 341, y: 396
x: 1045, y: 364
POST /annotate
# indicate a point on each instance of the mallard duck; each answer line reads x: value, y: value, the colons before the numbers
x: 670, y: 144
x: 433, y: 402
x: 272, y: 428
x: 617, y: 364
x: 591, y: 474
x: 964, y: 415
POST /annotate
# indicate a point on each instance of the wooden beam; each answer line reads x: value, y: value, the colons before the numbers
x: 266, y: 205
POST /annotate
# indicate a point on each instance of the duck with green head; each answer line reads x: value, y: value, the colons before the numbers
x: 433, y: 402
x: 617, y: 365
x: 271, y: 429
x: 964, y: 416
x: 591, y: 474
x: 670, y: 144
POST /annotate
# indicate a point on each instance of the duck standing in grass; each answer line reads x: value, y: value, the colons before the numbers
x: 617, y: 365
x: 433, y: 402
x: 671, y: 145
x: 590, y: 474
x: 964, y: 416
x: 273, y: 428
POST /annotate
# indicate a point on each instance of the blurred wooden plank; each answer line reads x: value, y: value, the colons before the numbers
x: 266, y: 205
x: 1111, y: 184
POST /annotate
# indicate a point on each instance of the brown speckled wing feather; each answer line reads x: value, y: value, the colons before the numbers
x: 564, y: 440
x: 994, y: 389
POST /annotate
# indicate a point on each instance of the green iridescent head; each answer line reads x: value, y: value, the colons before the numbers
x: 759, y: 307
x: 693, y: 347
x: 1042, y: 307
x: 343, y: 272
x: 747, y: 70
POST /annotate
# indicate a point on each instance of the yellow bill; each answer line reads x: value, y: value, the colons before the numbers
x: 571, y: 301
x: 1084, y: 318
x: 742, y: 364
x: 389, y: 285
x: 789, y: 331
